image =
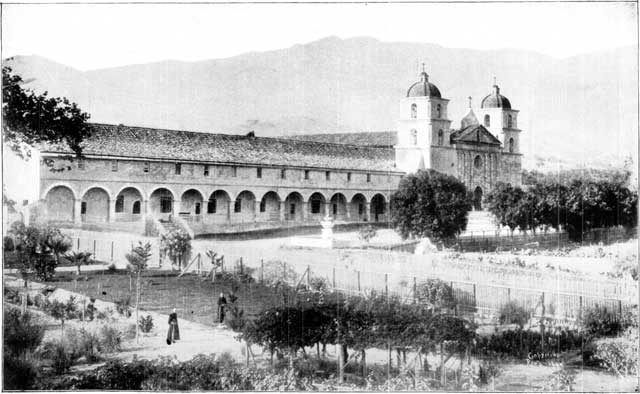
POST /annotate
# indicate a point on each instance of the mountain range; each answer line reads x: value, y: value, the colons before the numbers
x: 581, y: 110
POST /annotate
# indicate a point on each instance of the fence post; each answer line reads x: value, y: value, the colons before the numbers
x: 261, y: 271
x: 508, y: 293
x: 94, y: 248
x: 111, y: 250
x: 241, y: 268
x: 358, y: 274
x: 474, y: 295
x: 620, y: 308
x: 334, y: 277
x: 415, y: 290
x: 78, y: 247
x: 308, y: 277
x: 580, y: 307
x: 386, y: 284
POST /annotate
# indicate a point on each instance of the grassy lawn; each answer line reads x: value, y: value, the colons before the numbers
x: 194, y: 298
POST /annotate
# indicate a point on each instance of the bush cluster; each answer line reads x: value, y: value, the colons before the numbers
x: 523, y: 343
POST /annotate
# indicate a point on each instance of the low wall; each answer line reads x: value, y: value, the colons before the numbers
x: 541, y: 241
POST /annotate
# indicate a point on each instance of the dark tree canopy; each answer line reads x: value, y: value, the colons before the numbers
x: 30, y: 119
x: 430, y: 204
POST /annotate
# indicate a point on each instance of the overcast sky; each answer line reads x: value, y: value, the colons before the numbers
x: 97, y: 36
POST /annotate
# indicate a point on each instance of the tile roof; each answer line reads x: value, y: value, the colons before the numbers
x: 385, y: 139
x: 474, y: 134
x: 141, y: 142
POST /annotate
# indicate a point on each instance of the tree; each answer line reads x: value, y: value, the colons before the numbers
x: 31, y: 119
x: 430, y: 204
x: 57, y: 242
x: 33, y: 244
x: 176, y: 244
x: 505, y: 203
x: 138, y: 259
x: 79, y: 259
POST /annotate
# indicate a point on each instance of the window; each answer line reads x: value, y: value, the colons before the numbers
x: 237, y: 206
x: 283, y: 174
x: 120, y: 204
x: 206, y: 170
x: 414, y: 111
x: 440, y: 137
x: 136, y: 208
x: 81, y: 164
x: 263, y: 205
x: 234, y: 171
x: 315, y: 205
x: 146, y: 166
x: 292, y: 209
x: 438, y: 111
x: 165, y: 205
x: 178, y: 168
x: 83, y: 207
x: 477, y: 162
x: 368, y: 177
x: 360, y: 209
x: 348, y: 177
x: 335, y: 209
x: 487, y: 121
x: 511, y: 145
x: 259, y: 172
x: 306, y: 174
x: 197, y: 209
x: 327, y: 175
x: 414, y: 137
x: 114, y: 165
x: 211, y: 206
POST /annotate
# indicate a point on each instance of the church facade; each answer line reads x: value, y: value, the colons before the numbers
x: 216, y: 183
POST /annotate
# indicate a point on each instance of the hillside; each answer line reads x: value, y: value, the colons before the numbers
x: 572, y: 110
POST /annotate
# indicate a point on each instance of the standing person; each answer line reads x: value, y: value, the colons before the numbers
x: 222, y: 304
x: 173, y: 334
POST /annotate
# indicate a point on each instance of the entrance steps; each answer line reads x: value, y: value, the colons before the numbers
x: 480, y: 223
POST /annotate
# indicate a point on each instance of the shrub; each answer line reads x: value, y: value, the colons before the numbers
x: 601, y: 322
x: 512, y: 313
x: 89, y: 345
x: 561, y: 380
x: 61, y: 354
x: 487, y: 370
x: 520, y: 343
x: 20, y: 334
x: 110, y: 339
x: 7, y: 243
x: 278, y: 273
x: 619, y: 355
x: 319, y: 283
x: 12, y: 296
x: 18, y: 373
x: 123, y: 306
x: 366, y: 233
x: 175, y: 244
x: 111, y: 268
x: 436, y: 293
x: 146, y: 324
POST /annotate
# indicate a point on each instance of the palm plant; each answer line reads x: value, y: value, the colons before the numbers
x: 79, y: 259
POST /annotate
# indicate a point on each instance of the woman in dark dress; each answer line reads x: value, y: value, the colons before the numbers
x: 174, y: 331
x: 222, y: 304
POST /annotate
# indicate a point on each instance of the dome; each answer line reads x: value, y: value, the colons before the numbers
x: 469, y: 119
x: 423, y: 88
x: 495, y: 100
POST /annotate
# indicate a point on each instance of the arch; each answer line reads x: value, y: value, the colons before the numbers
x: 59, y: 184
x: 294, y: 204
x: 125, y: 201
x: 477, y: 161
x: 260, y: 196
x: 244, y: 206
x: 438, y: 111
x: 440, y: 137
x: 317, y: 202
x: 191, y: 202
x: 136, y: 188
x: 269, y: 208
x: 339, y: 207
x: 487, y: 120
x: 95, y: 205
x: 98, y: 186
x: 378, y: 207
x: 477, y: 198
x: 414, y: 111
x: 509, y: 121
x: 414, y: 137
x: 60, y: 202
x: 358, y: 207
x: 161, y: 201
x: 511, y: 145
x: 218, y: 207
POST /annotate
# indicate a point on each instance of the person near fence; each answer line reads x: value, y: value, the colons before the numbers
x: 173, y: 334
x: 222, y: 304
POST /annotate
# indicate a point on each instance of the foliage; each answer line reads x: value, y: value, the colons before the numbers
x: 524, y: 343
x: 57, y: 242
x: 31, y: 119
x: 366, y: 233
x: 430, y: 204
x: 561, y: 380
x: 600, y: 321
x: 123, y: 306
x: 78, y: 259
x: 61, y: 355
x: 7, y: 243
x: 435, y: 293
x: 513, y: 313
x: 319, y: 283
x: 20, y: 333
x: 176, y: 244
x: 146, y: 324
x: 38, y: 249
x: 18, y: 373
x: 619, y: 355
x: 488, y: 369
x: 139, y: 257
x: 277, y: 273
x: 110, y: 339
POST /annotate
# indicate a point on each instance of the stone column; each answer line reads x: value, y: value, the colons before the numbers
x: 304, y: 211
x: 327, y: 209
x: 348, y: 209
x: 144, y: 210
x: 175, y: 207
x: 367, y: 211
x: 254, y: 215
x: 112, y: 211
x: 283, y: 210
x: 77, y: 209
x: 228, y: 210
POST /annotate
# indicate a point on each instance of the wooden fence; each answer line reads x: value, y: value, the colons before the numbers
x: 114, y: 250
